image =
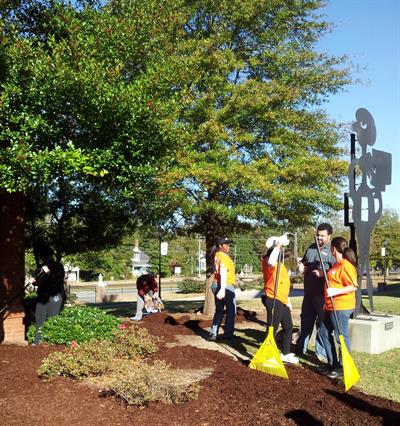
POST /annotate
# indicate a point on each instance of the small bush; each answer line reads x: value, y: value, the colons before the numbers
x: 79, y: 324
x: 191, y: 286
x: 98, y: 357
x: 255, y: 284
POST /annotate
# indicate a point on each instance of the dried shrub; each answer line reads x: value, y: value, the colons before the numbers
x: 118, y: 367
x: 98, y: 357
x: 146, y: 383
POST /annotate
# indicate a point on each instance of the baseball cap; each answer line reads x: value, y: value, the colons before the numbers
x: 224, y: 241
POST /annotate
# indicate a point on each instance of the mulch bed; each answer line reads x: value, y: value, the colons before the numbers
x: 232, y: 395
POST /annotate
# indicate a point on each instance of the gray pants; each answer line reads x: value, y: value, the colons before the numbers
x: 139, y: 307
x: 44, y: 311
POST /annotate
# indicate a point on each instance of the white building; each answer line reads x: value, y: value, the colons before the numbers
x: 140, y: 261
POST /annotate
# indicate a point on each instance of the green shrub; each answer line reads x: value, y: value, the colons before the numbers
x: 96, y: 357
x: 79, y: 324
x: 191, y: 286
x: 255, y: 284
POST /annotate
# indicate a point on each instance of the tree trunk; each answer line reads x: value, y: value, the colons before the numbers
x: 12, y: 267
x: 209, y: 302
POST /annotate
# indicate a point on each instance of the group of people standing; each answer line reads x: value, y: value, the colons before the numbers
x: 319, y: 302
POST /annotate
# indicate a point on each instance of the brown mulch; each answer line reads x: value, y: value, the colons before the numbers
x: 232, y: 395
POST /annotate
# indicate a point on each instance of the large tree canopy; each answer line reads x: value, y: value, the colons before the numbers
x: 209, y: 110
x: 259, y: 146
x: 85, y: 111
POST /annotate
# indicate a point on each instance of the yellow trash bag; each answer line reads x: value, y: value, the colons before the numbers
x: 268, y: 359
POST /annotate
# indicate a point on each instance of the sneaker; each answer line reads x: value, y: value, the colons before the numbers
x: 321, y: 358
x: 336, y: 373
x: 212, y: 338
x: 290, y: 358
x: 135, y: 318
x: 324, y: 369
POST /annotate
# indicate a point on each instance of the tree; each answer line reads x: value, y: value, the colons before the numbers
x: 259, y: 146
x: 386, y: 234
x: 85, y: 114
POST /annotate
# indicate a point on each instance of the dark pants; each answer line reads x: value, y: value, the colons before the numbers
x: 312, y: 313
x: 282, y: 317
x: 44, y: 311
x: 230, y: 302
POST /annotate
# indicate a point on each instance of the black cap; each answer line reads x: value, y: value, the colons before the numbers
x: 225, y: 240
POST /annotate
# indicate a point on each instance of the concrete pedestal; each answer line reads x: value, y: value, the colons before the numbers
x: 375, y: 333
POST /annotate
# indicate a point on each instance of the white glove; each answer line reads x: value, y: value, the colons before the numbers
x: 284, y: 240
x: 45, y: 269
x: 332, y: 292
x: 221, y: 294
x: 289, y: 305
x: 271, y: 242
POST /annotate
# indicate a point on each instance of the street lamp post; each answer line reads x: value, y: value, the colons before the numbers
x: 383, y: 253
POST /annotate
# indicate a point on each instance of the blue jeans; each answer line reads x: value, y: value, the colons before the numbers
x: 230, y: 302
x: 312, y: 312
x: 329, y: 328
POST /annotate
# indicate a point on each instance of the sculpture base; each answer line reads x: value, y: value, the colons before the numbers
x: 374, y: 333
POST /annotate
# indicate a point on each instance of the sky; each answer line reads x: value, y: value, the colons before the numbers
x: 368, y: 31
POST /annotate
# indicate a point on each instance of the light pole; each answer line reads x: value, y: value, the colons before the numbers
x: 199, y: 257
x: 383, y: 253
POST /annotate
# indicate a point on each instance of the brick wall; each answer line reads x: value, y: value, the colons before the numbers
x: 12, y: 274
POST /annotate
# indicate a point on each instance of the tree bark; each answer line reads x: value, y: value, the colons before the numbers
x: 209, y: 302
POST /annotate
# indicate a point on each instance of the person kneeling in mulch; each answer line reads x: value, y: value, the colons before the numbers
x: 147, y: 296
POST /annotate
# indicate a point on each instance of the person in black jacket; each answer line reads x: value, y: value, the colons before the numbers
x: 49, y: 281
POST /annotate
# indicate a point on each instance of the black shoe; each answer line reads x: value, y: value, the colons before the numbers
x: 212, y: 338
x: 336, y: 373
x: 324, y: 370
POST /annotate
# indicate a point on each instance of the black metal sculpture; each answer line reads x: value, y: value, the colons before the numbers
x: 368, y: 176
